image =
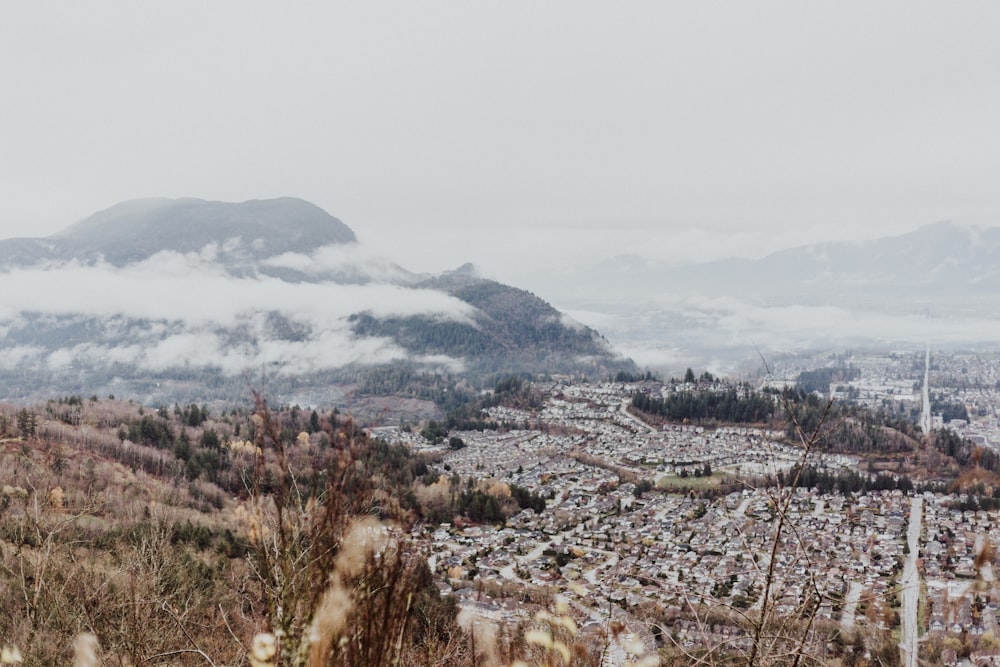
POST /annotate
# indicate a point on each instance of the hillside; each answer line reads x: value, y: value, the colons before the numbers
x: 149, y: 530
x: 513, y: 330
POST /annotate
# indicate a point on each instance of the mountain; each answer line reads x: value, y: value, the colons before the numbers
x: 935, y: 263
x: 187, y: 299
x: 512, y: 329
x: 938, y: 264
x: 135, y: 230
x: 937, y: 284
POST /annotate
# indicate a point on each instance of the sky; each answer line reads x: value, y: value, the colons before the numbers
x: 513, y: 135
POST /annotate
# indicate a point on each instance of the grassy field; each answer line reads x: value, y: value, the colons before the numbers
x: 678, y: 484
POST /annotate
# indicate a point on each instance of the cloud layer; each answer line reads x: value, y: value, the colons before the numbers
x: 722, y: 333
x: 185, y: 310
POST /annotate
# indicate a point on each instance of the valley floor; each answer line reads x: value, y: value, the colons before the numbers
x: 615, y: 550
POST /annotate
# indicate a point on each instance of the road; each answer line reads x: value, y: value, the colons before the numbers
x: 591, y: 575
x: 820, y: 505
x: 850, y: 607
x: 911, y: 586
x: 925, y: 413
x: 536, y: 553
x: 632, y: 418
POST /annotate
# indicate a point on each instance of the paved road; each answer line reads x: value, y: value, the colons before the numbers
x: 925, y: 413
x: 820, y: 505
x: 632, y: 418
x: 911, y: 587
x: 850, y: 607
x: 536, y: 553
x: 591, y: 574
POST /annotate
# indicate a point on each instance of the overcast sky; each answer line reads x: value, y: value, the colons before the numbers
x: 506, y: 133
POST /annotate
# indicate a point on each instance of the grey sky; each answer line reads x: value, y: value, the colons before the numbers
x: 507, y: 134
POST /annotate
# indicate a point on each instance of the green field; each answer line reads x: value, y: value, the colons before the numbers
x: 678, y: 484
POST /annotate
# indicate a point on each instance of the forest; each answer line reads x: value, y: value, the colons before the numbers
x: 736, y: 405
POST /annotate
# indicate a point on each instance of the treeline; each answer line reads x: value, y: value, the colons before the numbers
x: 848, y: 481
x: 527, y: 499
x: 975, y: 501
x: 514, y: 391
x: 949, y: 410
x: 480, y: 507
x: 203, y: 457
x: 820, y: 379
x: 965, y: 453
x: 404, y: 379
x: 628, y: 376
x: 444, y: 498
x: 470, y: 415
x: 846, y: 428
x: 739, y: 407
x: 483, y: 507
x: 422, y: 334
x: 864, y: 436
x: 461, y: 402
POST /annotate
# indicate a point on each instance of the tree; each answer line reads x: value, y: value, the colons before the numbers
x: 182, y: 447
x: 689, y: 376
x: 210, y: 440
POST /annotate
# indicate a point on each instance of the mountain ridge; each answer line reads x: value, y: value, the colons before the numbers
x: 942, y: 261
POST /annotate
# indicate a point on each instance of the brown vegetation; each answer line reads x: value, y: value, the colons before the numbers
x: 261, y: 537
x: 178, y: 547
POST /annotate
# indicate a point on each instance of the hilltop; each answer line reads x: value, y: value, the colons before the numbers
x: 135, y: 230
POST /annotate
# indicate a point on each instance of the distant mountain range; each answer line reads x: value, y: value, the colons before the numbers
x: 938, y: 260
x: 162, y: 299
x: 938, y: 284
x: 936, y: 263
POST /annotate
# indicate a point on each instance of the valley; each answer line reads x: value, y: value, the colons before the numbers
x: 825, y: 504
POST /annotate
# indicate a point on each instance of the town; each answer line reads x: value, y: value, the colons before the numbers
x: 660, y: 527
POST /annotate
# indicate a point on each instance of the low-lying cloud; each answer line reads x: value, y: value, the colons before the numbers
x: 351, y: 260
x: 722, y: 334
x: 188, y: 310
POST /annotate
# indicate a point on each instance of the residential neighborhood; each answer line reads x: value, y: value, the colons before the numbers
x: 681, y: 518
